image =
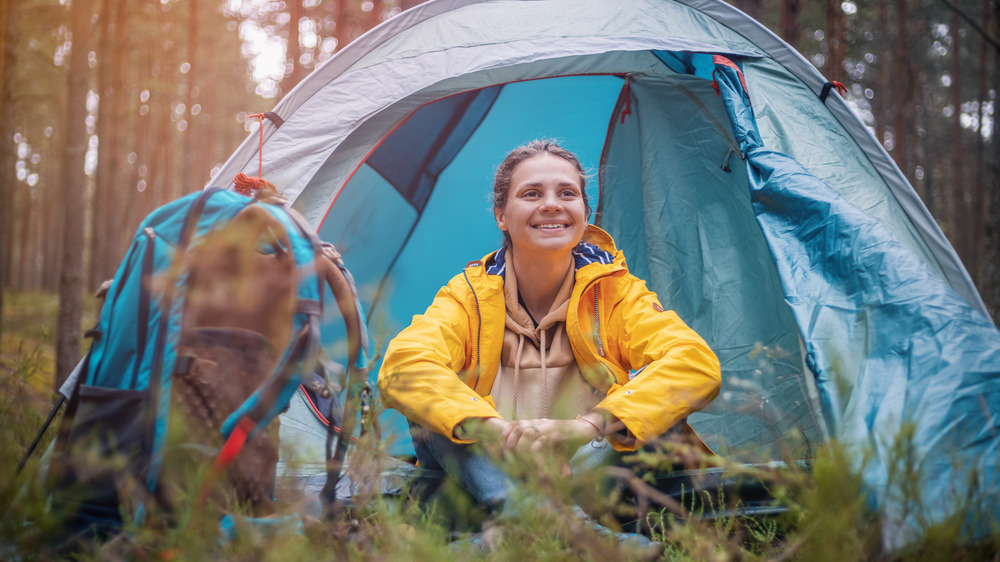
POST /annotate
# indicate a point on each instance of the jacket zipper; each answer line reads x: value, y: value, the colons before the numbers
x: 597, y: 317
x: 597, y: 324
x: 479, y: 330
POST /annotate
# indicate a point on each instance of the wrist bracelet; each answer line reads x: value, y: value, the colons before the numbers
x: 600, y: 434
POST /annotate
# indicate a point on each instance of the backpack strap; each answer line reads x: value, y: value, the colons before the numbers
x: 342, y: 284
x: 258, y: 410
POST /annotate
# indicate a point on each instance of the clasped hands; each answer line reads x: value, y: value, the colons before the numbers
x: 538, y: 434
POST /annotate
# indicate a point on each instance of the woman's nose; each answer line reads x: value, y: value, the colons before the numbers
x: 550, y: 202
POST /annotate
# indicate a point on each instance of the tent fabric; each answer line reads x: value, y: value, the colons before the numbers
x: 923, y: 360
x: 429, y: 142
x: 772, y: 221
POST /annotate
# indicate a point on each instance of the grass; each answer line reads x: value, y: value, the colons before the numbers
x: 826, y: 515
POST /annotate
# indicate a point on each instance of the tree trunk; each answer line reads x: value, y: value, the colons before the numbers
x: 8, y: 65
x: 342, y: 30
x: 790, y: 29
x: 131, y: 64
x: 880, y: 103
x: 991, y: 217
x: 901, y: 77
x: 297, y: 72
x: 100, y: 208
x: 50, y: 244
x: 923, y: 145
x: 979, y: 202
x: 750, y: 8
x: 835, y: 40
x: 955, y: 184
x: 188, y: 153
x: 373, y: 15
x: 72, y: 200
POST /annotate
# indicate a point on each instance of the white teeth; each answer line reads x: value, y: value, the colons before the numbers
x: 550, y: 226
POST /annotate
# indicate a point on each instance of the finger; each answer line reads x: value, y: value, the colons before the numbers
x: 508, y: 427
x: 516, y: 432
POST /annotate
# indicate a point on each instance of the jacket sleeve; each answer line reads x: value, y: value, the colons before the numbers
x: 420, y: 375
x: 674, y: 371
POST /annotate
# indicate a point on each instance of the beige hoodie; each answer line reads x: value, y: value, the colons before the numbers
x: 538, y: 375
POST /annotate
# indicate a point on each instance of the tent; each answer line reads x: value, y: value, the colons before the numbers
x: 734, y: 177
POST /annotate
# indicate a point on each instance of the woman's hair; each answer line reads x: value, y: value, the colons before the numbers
x: 501, y: 182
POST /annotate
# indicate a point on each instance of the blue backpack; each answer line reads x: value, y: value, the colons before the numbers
x: 212, y: 318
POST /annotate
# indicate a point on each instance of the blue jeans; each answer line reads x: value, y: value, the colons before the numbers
x: 480, y: 475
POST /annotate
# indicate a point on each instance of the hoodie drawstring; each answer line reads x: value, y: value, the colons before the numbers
x: 545, y: 380
x: 517, y: 368
x: 545, y: 377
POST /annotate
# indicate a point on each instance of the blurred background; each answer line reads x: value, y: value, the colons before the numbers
x: 110, y: 109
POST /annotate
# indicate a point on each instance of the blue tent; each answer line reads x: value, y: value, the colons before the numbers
x: 733, y: 176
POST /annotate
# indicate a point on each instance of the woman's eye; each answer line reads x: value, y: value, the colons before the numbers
x: 530, y: 193
x: 569, y: 193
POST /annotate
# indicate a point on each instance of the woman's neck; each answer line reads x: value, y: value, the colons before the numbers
x: 539, y: 280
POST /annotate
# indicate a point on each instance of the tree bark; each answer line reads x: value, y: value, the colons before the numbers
x: 50, y: 241
x: 342, y: 29
x: 956, y: 182
x: 190, y: 135
x: 8, y: 65
x: 991, y: 217
x: 107, y: 129
x: 373, y: 15
x: 901, y: 77
x: 297, y: 72
x: 750, y: 8
x: 790, y: 29
x: 880, y: 103
x: 72, y: 200
x: 923, y: 145
x: 979, y: 202
x: 835, y: 40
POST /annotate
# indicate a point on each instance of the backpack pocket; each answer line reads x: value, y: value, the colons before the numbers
x: 217, y: 370
x: 102, y: 471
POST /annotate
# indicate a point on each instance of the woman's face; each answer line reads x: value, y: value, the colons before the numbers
x: 545, y: 212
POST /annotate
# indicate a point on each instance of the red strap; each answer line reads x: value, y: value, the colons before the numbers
x: 719, y: 59
x: 227, y: 455
x: 260, y: 151
x: 246, y: 184
x: 842, y: 89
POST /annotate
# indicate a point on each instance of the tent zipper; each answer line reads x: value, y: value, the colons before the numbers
x: 715, y: 122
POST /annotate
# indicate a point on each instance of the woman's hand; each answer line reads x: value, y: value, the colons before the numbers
x: 535, y: 435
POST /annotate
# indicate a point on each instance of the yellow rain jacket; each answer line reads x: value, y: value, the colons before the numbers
x: 652, y: 369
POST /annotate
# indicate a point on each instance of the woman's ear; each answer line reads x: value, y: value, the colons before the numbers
x: 501, y: 224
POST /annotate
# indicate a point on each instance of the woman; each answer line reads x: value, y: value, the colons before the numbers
x: 548, y: 342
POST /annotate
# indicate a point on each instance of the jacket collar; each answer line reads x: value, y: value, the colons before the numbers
x: 596, y: 246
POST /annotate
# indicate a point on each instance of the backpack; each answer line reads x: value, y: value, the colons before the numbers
x: 212, y: 318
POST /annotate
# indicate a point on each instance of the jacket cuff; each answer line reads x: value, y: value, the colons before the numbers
x: 478, y: 407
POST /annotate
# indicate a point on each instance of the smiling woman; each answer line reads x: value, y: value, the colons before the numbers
x: 546, y: 344
x: 546, y: 210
